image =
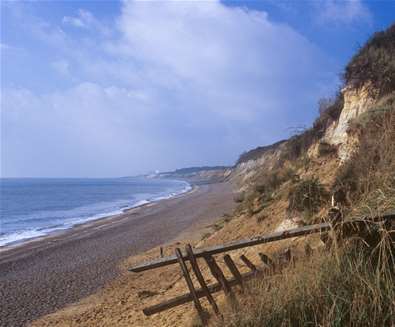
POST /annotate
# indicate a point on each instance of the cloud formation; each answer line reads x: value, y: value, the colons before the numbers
x: 173, y: 84
x: 83, y: 19
x: 344, y: 12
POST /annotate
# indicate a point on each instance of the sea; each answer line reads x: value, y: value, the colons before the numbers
x: 36, y: 207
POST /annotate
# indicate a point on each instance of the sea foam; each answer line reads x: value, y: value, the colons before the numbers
x: 39, y: 223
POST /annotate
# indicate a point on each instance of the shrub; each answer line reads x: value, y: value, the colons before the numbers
x: 346, y: 183
x: 347, y: 286
x: 268, y: 183
x: 298, y: 144
x: 329, y: 110
x: 274, y: 180
x: 326, y: 149
x: 260, y: 188
x: 261, y: 217
x: 307, y: 196
x: 374, y: 63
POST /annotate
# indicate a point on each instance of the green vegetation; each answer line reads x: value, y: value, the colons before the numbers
x: 261, y: 217
x: 307, y: 196
x: 265, y: 190
x: 269, y: 182
x: 329, y: 109
x: 326, y: 149
x: 297, y: 145
x: 375, y: 62
x: 352, y: 285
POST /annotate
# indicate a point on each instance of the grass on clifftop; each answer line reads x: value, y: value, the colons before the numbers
x: 375, y: 62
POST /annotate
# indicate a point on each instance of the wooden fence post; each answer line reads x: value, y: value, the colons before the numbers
x: 248, y: 263
x: 199, y: 276
x: 188, y: 280
x: 233, y: 269
x: 218, y: 274
x: 322, y: 228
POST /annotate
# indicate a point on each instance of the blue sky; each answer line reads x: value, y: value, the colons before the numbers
x: 94, y: 89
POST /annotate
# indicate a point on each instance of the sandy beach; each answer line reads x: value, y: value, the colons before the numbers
x: 45, y: 275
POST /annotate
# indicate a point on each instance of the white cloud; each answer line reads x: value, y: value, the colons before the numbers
x: 62, y: 67
x: 183, y: 83
x: 84, y: 19
x: 9, y: 48
x: 4, y: 46
x: 74, y: 21
x: 344, y: 12
x: 64, y: 131
x: 87, y: 21
x: 220, y: 53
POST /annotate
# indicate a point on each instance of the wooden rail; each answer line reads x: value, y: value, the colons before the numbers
x: 269, y: 266
x: 185, y: 298
x: 199, y: 253
x: 291, y: 233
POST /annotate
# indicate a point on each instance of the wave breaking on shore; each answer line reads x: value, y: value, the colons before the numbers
x: 81, y: 215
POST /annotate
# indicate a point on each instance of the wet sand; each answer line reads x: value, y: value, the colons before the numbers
x: 43, y: 276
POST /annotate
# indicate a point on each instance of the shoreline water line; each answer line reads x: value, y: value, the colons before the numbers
x: 15, y: 239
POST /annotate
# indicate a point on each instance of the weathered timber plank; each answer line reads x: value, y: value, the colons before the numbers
x: 185, y: 298
x: 199, y: 253
x: 200, y: 278
x: 266, y: 260
x: 301, y: 231
x: 218, y: 274
x: 191, y: 288
x: 248, y: 263
x: 233, y: 269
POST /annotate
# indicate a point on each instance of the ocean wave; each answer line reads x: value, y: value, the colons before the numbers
x: 16, y: 237
x: 21, y: 236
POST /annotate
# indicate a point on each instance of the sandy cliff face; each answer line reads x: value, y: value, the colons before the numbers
x: 244, y: 174
x: 356, y: 102
x: 210, y: 176
x: 200, y: 176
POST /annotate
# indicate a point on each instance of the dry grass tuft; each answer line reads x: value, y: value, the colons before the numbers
x: 307, y: 197
x: 349, y: 286
x: 367, y: 181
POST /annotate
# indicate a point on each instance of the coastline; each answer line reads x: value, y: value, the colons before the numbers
x: 14, y: 249
x: 95, y: 218
x: 45, y: 275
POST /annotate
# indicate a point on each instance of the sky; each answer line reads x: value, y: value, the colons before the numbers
x: 107, y: 88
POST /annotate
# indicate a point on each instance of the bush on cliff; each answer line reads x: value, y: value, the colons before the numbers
x: 374, y: 63
x: 307, y: 196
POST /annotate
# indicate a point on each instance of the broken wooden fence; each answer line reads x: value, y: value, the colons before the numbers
x: 238, y: 278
